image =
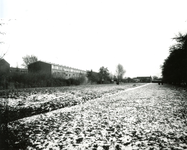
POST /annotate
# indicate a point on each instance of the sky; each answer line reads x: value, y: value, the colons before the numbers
x: 89, y: 34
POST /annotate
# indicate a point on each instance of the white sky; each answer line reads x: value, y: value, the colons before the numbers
x: 90, y: 34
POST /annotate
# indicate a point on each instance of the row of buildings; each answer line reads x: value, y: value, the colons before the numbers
x: 146, y: 79
x: 5, y: 68
x: 55, y: 70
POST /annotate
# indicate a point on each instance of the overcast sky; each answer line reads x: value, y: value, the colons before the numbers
x: 91, y: 34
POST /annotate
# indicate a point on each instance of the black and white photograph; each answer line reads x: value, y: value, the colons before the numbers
x: 93, y: 74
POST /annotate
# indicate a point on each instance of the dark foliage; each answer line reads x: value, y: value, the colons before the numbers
x: 33, y: 80
x: 93, y: 77
x: 174, y: 69
x: 104, y: 76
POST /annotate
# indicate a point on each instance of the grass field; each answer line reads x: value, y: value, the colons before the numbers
x: 149, y: 117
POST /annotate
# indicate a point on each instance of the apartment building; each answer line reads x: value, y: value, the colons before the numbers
x: 55, y: 70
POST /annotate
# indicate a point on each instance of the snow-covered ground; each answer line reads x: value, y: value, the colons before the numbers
x: 28, y: 102
x: 151, y: 117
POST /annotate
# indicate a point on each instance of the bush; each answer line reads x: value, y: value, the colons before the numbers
x: 22, y: 80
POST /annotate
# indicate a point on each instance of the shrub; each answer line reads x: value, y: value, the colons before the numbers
x: 21, y: 80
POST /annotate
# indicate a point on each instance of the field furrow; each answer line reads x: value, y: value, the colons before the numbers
x: 19, y: 104
x: 150, y: 117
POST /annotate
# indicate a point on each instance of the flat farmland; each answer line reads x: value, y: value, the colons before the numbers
x: 126, y: 117
x: 22, y: 103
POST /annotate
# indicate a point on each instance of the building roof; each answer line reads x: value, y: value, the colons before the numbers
x: 3, y: 61
x: 143, y: 77
x: 60, y: 65
x: 18, y: 69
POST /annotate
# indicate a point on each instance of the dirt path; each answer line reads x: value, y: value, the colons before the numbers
x: 150, y: 117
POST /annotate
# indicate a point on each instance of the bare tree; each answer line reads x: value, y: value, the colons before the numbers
x: 120, y: 72
x: 28, y: 60
x: 2, y: 33
x: 4, y: 29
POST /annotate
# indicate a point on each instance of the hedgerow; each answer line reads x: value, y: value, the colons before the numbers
x: 32, y: 80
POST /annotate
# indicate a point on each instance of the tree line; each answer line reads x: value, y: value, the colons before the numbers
x: 104, y: 76
x: 101, y: 77
x: 174, y: 68
x: 25, y: 80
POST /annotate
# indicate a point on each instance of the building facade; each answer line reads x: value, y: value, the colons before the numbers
x: 4, y: 67
x: 20, y: 70
x: 55, y: 70
x: 4, y: 73
x: 143, y: 79
x: 39, y: 67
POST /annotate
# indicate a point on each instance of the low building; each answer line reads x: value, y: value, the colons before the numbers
x: 21, y: 70
x: 4, y: 67
x: 40, y: 67
x: 4, y: 73
x: 146, y: 79
x: 55, y: 70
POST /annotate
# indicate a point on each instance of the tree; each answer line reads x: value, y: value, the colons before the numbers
x: 93, y: 77
x: 174, y: 68
x: 120, y: 72
x: 28, y: 60
x: 104, y: 75
x: 2, y: 33
x: 155, y: 78
x: 112, y: 77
